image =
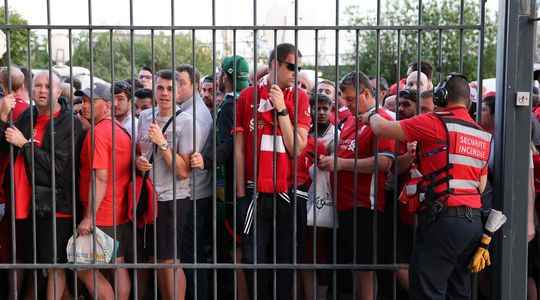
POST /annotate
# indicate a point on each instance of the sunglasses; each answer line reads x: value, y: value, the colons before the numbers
x: 290, y: 66
x: 145, y: 77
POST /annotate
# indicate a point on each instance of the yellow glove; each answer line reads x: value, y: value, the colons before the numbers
x: 481, y: 258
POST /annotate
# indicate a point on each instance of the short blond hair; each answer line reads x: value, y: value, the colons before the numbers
x: 16, y: 75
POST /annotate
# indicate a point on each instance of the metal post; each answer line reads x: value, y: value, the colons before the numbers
x: 514, y: 74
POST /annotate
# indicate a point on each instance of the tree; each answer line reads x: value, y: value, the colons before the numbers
x: 444, y: 12
x: 142, y: 53
x: 19, y: 44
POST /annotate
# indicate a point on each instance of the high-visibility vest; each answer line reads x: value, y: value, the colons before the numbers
x: 464, y: 155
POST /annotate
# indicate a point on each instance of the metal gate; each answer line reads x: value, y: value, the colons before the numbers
x: 514, y: 60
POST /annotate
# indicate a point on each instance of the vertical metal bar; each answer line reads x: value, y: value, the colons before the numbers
x: 336, y: 141
x: 193, y: 177
x: 74, y: 172
x: 154, y: 228
x: 515, y: 40
x: 52, y: 155
x: 439, y: 61
x: 315, y: 163
x: 255, y: 158
x: 355, y: 173
x: 480, y: 65
x: 135, y: 285
x: 11, y: 158
x: 214, y: 142
x: 274, y: 174
x: 295, y: 157
x: 396, y: 184
x: 461, y: 22
x: 32, y: 162
x: 92, y: 144
x: 175, y: 204
x: 235, y: 250
x: 114, y: 166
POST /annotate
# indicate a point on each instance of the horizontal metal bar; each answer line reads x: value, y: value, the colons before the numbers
x: 394, y: 267
x: 258, y: 27
x: 534, y: 19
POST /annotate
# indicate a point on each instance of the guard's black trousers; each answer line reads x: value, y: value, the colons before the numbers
x: 441, y: 255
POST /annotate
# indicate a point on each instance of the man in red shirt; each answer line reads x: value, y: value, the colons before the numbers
x: 105, y: 200
x: 274, y: 135
x: 454, y: 154
x: 362, y: 197
x: 34, y: 144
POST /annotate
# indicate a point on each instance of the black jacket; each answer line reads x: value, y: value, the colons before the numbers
x: 224, y: 144
x: 64, y: 162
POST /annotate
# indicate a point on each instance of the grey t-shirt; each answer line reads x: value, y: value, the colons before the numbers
x: 204, y: 122
x: 184, y: 145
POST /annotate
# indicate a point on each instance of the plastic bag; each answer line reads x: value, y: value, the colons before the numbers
x: 322, y: 203
x: 106, y: 247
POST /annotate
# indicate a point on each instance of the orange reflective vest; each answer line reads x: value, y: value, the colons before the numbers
x: 461, y: 158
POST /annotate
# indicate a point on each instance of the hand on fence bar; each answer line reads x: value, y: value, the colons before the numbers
x: 197, y: 161
x: 15, y: 137
x: 6, y: 105
x: 143, y: 164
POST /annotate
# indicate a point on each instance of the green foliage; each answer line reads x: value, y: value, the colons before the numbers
x: 18, y: 40
x: 142, y: 53
x: 434, y: 13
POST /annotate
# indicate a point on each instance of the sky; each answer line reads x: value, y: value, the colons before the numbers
x: 199, y: 13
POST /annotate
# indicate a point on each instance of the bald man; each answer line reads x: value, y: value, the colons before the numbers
x: 34, y: 144
x: 412, y: 82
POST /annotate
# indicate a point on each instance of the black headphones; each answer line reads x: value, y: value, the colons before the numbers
x: 440, y: 93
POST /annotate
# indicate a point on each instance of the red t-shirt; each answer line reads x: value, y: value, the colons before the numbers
x: 365, y: 188
x: 20, y: 107
x: 245, y: 121
x: 343, y: 114
x: 103, y: 160
x: 23, y: 187
x: 306, y: 159
x: 428, y: 130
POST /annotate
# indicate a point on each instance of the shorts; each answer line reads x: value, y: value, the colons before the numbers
x: 166, y: 238
x: 44, y: 239
x: 124, y: 234
x: 363, y: 254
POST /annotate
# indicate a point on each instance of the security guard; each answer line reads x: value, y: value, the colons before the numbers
x: 452, y: 160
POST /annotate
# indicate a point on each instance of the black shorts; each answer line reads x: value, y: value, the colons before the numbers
x: 166, y: 238
x: 363, y: 254
x: 44, y: 239
x: 124, y: 235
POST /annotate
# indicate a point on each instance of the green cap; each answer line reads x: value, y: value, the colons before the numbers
x: 242, y: 70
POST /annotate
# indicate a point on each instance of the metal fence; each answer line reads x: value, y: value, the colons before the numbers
x: 514, y: 73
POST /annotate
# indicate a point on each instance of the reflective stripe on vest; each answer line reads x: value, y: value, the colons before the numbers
x: 459, y: 128
x: 466, y: 161
x: 463, y: 184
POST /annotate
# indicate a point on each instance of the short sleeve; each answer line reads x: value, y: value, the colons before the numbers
x: 184, y: 134
x: 387, y: 147
x: 102, y: 150
x: 304, y: 115
x: 240, y: 111
x: 424, y: 127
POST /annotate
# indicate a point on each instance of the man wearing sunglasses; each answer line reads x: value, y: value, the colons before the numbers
x: 277, y: 143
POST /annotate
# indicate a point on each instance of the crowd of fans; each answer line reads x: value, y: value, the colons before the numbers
x: 263, y: 198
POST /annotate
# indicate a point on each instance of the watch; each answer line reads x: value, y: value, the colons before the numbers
x: 164, y: 146
x: 283, y: 113
x: 371, y: 114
